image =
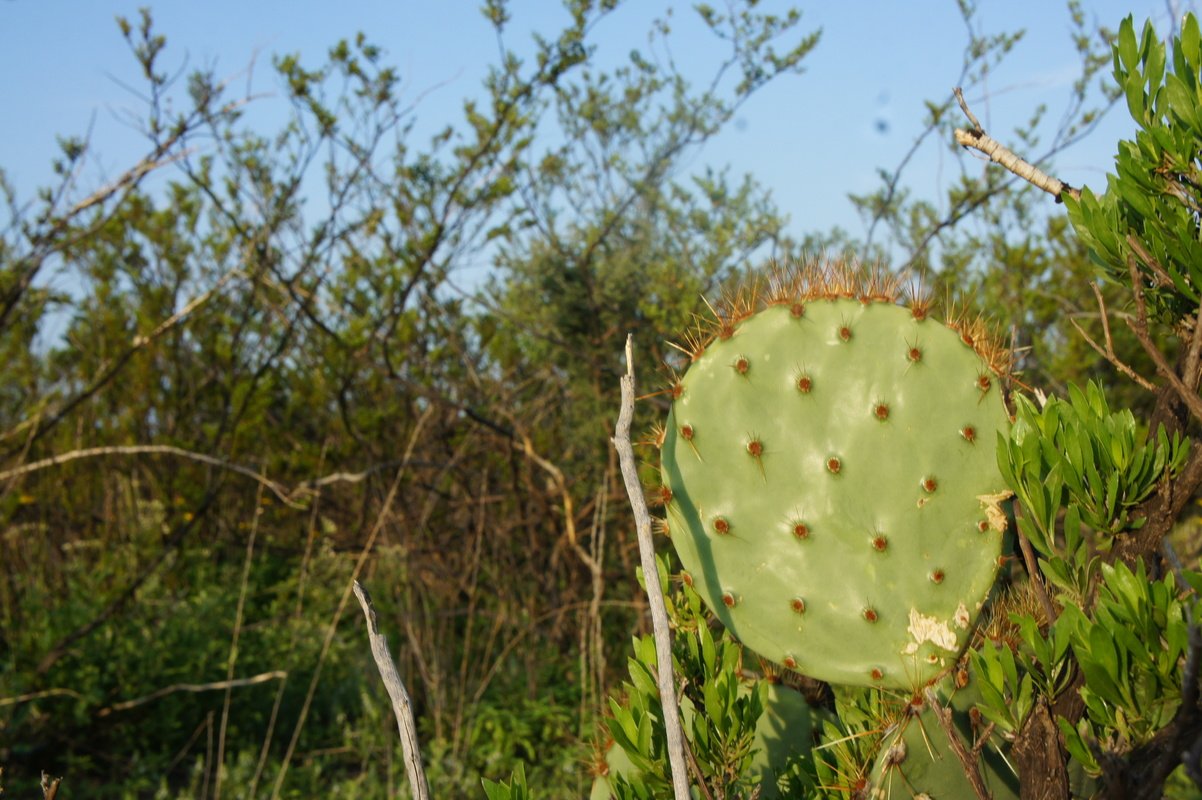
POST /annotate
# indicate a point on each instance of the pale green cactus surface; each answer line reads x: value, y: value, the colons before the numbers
x: 831, y: 485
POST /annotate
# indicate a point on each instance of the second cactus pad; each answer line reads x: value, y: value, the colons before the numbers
x: 830, y: 479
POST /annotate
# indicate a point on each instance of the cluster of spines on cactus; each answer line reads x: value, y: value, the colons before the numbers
x: 815, y: 281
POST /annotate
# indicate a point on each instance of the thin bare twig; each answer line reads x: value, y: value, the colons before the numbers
x: 31, y: 696
x: 977, y: 139
x: 151, y: 449
x: 398, y: 695
x: 1108, y: 352
x: 968, y: 760
x: 655, y: 594
x: 983, y: 738
x: 263, y: 677
x: 143, y: 339
x: 232, y: 660
x: 695, y: 768
x: 1140, y: 327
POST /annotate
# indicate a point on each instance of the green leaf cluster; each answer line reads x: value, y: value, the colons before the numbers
x: 1131, y: 650
x: 746, y: 738
x: 1077, y: 467
x: 721, y: 715
x: 1119, y: 638
x: 1146, y: 223
x: 515, y: 789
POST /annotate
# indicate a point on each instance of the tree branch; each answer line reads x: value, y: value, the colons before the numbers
x: 151, y: 449
x: 968, y: 760
x: 31, y: 696
x: 977, y: 139
x: 1140, y: 327
x: 1108, y: 352
x: 195, y: 688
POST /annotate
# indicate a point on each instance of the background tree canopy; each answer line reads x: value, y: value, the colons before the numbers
x: 269, y: 380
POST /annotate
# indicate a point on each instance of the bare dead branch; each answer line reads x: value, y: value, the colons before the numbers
x: 1140, y: 327
x: 401, y: 706
x: 158, y: 159
x: 194, y: 688
x: 1108, y: 352
x: 50, y: 787
x: 968, y: 760
x: 196, y: 302
x: 977, y: 139
x: 976, y: 123
x: 31, y: 696
x: 655, y: 594
x: 151, y: 449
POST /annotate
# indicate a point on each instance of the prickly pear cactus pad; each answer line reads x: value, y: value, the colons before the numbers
x: 830, y: 478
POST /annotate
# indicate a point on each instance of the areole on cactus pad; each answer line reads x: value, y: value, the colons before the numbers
x: 830, y: 477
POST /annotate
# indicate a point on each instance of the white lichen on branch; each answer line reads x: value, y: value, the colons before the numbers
x: 977, y: 139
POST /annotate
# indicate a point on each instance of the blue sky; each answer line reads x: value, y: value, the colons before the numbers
x: 810, y: 138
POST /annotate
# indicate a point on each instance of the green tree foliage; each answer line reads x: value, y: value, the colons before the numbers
x: 248, y: 370
x: 263, y: 378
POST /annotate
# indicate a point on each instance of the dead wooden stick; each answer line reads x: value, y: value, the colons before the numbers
x: 50, y: 787
x: 655, y: 593
x: 967, y: 760
x: 150, y: 449
x: 400, y: 698
x: 977, y: 139
x: 194, y: 688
